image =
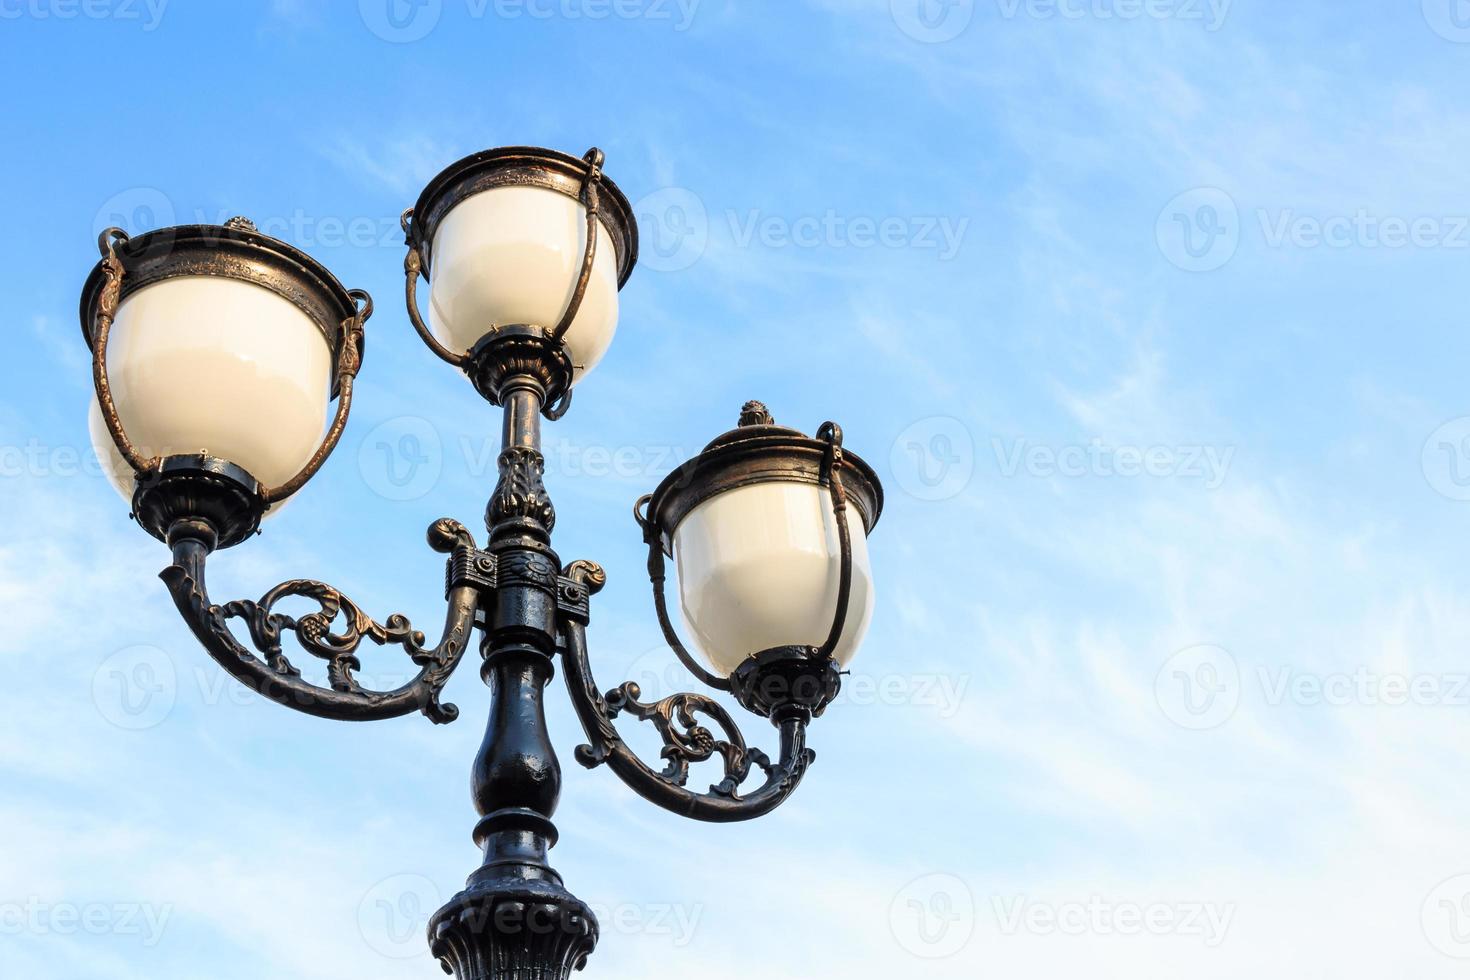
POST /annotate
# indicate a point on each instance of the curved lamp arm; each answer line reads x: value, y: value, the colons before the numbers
x: 831, y: 476
x: 273, y: 675
x: 656, y: 575
x: 685, y: 740
x: 112, y: 270
x: 413, y: 265
x: 349, y: 362
x: 590, y: 203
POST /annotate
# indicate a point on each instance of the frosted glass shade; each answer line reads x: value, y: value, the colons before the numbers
x: 219, y: 366
x: 758, y: 568
x: 512, y: 255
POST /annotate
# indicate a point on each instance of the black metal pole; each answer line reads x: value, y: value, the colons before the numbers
x: 515, y: 919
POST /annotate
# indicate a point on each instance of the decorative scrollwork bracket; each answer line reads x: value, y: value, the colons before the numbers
x: 270, y: 672
x: 686, y: 740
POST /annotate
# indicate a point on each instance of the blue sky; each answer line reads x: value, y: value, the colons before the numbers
x: 1146, y: 312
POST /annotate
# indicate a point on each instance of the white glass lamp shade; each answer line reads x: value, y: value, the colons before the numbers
x: 759, y: 567
x: 512, y: 255
x: 207, y: 364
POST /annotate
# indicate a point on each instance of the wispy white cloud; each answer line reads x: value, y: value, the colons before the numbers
x: 401, y: 165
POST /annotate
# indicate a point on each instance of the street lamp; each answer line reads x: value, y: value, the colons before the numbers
x: 216, y: 353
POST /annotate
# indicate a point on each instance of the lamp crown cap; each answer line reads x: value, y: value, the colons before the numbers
x: 241, y: 223
x: 755, y: 413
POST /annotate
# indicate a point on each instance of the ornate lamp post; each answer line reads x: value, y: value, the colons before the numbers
x: 216, y: 351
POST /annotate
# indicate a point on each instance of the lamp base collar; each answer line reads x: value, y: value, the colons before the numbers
x: 785, y: 680
x: 199, y: 488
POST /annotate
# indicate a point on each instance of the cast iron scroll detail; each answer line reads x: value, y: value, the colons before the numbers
x: 314, y: 630
x: 520, y: 492
x: 686, y: 740
x: 271, y: 673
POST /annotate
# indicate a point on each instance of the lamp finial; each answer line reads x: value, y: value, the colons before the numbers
x: 755, y: 413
